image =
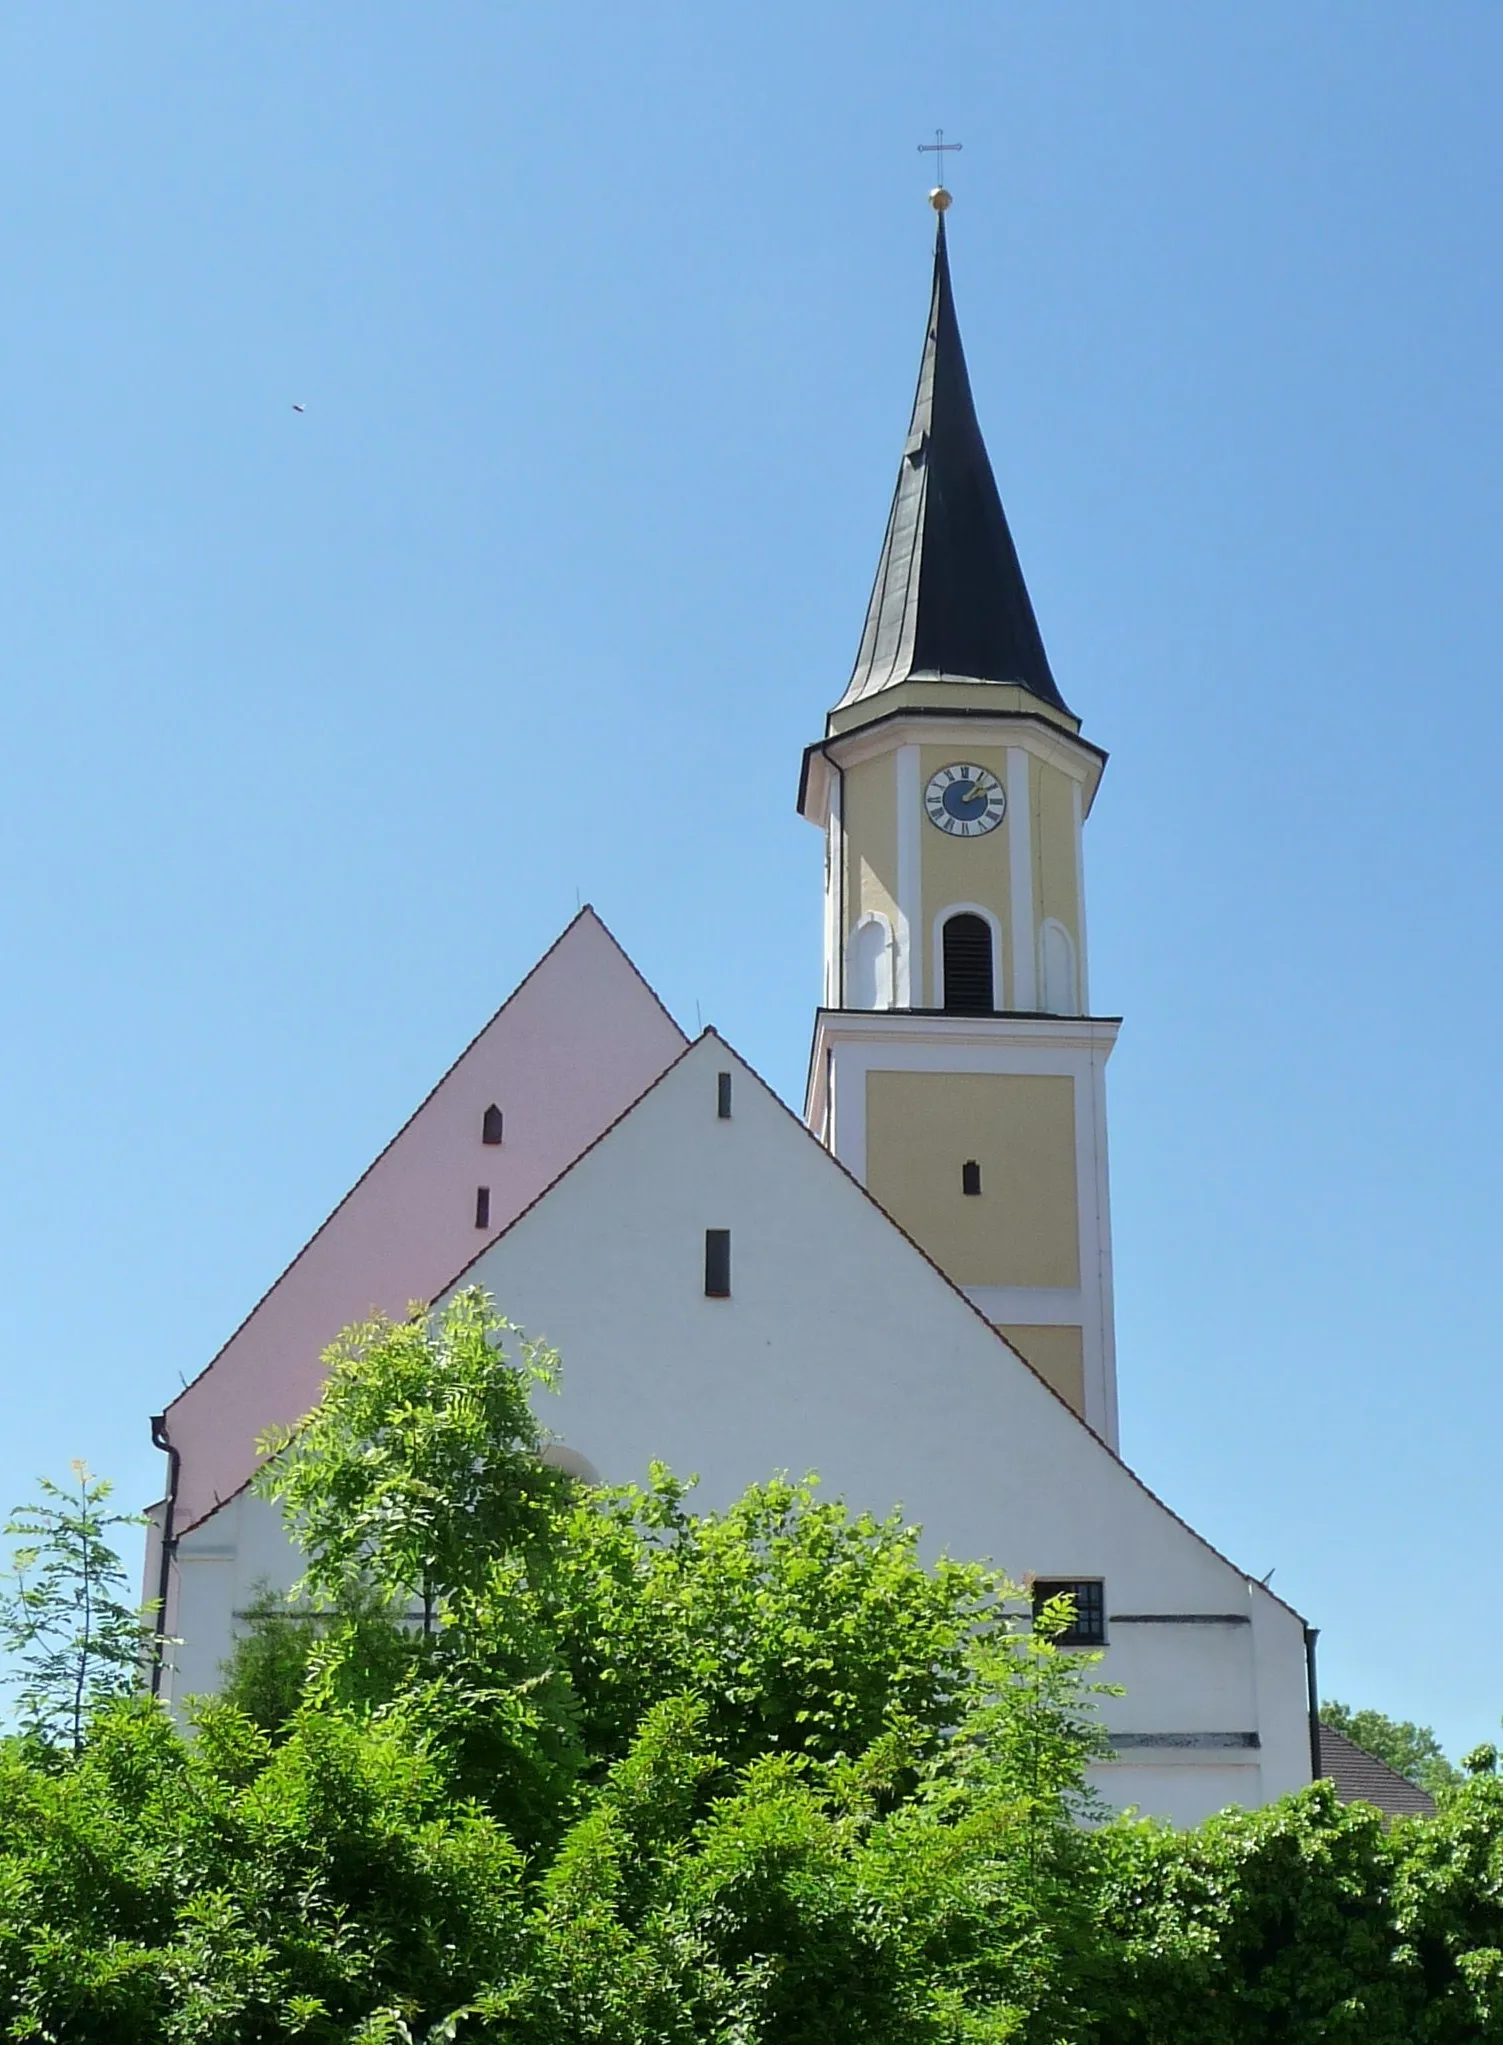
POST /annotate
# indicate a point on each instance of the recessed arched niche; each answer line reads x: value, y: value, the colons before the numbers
x: 869, y: 977
x: 559, y: 1456
x: 1061, y: 996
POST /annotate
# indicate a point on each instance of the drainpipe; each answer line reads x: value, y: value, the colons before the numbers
x: 1312, y: 1634
x: 169, y: 1506
x: 840, y: 898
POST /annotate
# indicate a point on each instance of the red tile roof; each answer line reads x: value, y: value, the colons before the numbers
x: 1361, y: 1778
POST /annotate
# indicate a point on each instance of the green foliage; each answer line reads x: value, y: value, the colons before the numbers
x: 799, y: 1628
x: 1308, y: 1920
x: 420, y: 1463
x: 292, y: 1649
x: 648, y: 1776
x: 74, y: 1640
x: 216, y: 1889
x: 1413, y: 1750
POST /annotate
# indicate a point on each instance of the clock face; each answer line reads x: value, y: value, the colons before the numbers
x: 965, y: 802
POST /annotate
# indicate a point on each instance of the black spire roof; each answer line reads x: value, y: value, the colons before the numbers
x: 949, y: 598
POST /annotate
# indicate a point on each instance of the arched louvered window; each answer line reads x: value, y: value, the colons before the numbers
x: 492, y: 1125
x: 968, y: 966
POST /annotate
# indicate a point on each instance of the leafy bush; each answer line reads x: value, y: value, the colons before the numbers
x: 606, y: 1770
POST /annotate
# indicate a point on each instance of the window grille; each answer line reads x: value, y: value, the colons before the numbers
x: 1088, y: 1629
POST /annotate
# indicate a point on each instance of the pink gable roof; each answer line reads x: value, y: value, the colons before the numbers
x: 576, y: 1043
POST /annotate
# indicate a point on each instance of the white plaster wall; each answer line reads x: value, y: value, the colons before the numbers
x: 841, y: 1349
x: 1188, y: 1677
x: 1184, y: 1790
x: 1283, y: 1718
x: 221, y: 1565
x: 572, y: 1047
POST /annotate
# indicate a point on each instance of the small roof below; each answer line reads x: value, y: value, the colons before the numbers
x: 1361, y: 1778
x: 949, y: 600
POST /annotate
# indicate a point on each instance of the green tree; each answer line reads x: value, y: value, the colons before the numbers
x: 770, y: 1768
x: 420, y: 1463
x: 559, y: 1619
x: 222, y: 1889
x: 800, y: 1627
x: 1412, y: 1750
x: 650, y: 1776
x: 65, y: 1619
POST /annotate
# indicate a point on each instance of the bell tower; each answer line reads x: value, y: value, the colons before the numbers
x: 957, y: 1070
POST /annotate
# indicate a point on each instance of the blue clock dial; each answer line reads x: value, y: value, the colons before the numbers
x: 965, y: 801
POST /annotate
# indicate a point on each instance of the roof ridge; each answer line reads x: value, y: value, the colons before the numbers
x: 631, y: 1107
x: 501, y: 1234
x: 990, y: 1326
x: 992, y: 1329
x: 587, y: 910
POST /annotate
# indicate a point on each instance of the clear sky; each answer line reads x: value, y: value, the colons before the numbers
x: 319, y: 723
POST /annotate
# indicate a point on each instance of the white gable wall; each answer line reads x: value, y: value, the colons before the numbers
x: 222, y: 1564
x: 569, y: 1050
x: 841, y: 1349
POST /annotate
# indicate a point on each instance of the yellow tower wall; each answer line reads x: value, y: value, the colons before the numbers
x: 964, y: 869
x: 1056, y: 879
x: 1024, y: 1226
x: 871, y: 843
x: 1057, y: 1354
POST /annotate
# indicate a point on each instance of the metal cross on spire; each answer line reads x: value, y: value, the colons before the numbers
x: 941, y: 148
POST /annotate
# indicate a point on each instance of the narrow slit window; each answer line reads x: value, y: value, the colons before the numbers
x: 970, y: 1176
x: 723, y: 1096
x: 491, y: 1128
x: 717, y: 1263
x: 482, y: 1207
x: 1088, y: 1627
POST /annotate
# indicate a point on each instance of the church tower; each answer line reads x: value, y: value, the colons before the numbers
x: 957, y: 1071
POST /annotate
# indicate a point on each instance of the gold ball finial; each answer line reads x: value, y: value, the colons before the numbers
x: 939, y: 199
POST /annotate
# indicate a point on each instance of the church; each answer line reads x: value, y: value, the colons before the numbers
x: 906, y: 1287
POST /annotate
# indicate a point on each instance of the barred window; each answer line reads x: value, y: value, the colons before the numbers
x: 1089, y: 1626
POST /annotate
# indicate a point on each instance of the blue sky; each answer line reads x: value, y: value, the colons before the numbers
x: 318, y: 724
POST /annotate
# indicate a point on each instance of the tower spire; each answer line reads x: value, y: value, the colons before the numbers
x: 949, y: 599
